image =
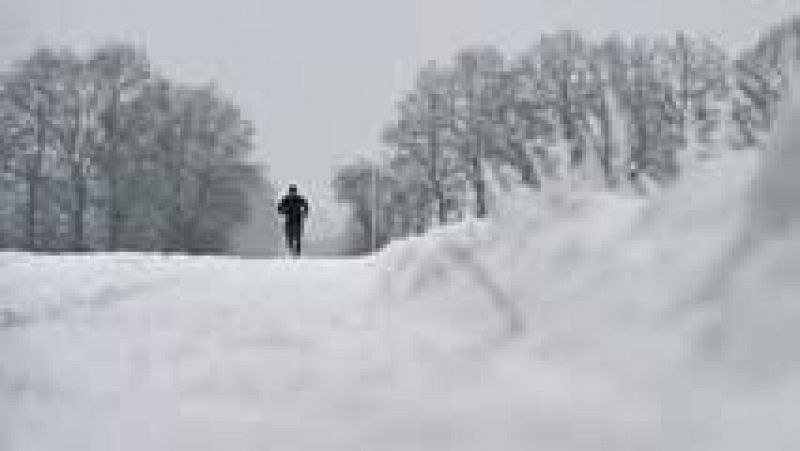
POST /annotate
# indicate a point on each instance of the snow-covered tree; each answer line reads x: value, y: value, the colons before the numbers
x: 29, y: 93
x: 101, y: 152
x: 761, y: 75
x: 422, y: 135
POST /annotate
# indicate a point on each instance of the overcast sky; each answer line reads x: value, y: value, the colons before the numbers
x: 319, y: 78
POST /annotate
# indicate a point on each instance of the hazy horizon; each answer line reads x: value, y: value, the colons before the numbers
x: 319, y: 80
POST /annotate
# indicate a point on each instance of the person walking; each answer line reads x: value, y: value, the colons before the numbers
x: 294, y: 208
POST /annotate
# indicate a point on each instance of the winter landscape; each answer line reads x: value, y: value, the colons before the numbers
x: 591, y: 243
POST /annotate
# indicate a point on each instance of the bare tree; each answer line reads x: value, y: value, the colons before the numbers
x: 479, y: 72
x: 28, y: 94
x: 419, y: 133
x: 76, y: 109
x: 123, y: 71
x: 103, y: 144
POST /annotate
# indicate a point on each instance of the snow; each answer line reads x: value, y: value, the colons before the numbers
x: 142, y: 352
x: 582, y: 320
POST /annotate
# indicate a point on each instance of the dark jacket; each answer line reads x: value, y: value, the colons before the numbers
x: 294, y: 207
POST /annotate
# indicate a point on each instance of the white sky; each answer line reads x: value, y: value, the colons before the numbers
x: 319, y: 78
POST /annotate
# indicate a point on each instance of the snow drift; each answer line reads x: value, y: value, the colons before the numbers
x: 619, y: 323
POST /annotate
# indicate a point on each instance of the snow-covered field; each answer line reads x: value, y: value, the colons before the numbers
x: 582, y: 321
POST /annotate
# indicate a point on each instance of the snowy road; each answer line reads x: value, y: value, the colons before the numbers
x: 155, y: 353
x: 136, y: 352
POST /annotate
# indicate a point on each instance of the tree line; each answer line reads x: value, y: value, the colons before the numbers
x: 568, y: 108
x: 101, y: 152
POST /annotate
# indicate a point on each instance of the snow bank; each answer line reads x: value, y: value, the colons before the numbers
x: 608, y: 322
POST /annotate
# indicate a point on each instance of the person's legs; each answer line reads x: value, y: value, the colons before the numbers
x: 289, y: 235
x: 298, y: 237
x: 293, y: 231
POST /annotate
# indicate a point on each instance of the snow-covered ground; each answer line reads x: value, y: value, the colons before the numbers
x: 582, y: 321
x: 141, y: 352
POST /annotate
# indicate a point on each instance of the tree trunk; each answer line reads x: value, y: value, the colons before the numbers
x: 641, y: 142
x: 193, y: 224
x: 477, y: 156
x: 640, y: 119
x: 79, y: 212
x: 684, y: 84
x: 438, y: 192
x: 436, y: 184
x: 440, y: 202
x: 480, y: 188
x: 80, y: 190
x: 528, y: 172
x: 114, y: 204
x: 114, y: 215
x: 608, y: 143
x: 175, y: 170
x: 567, y: 121
x: 33, y: 178
x: 30, y: 213
x: 527, y: 168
